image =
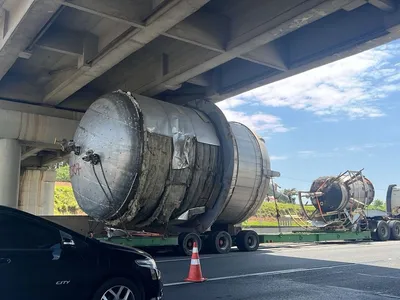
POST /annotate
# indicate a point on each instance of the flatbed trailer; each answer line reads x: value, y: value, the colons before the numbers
x: 253, y: 240
x: 301, y: 237
x: 378, y: 226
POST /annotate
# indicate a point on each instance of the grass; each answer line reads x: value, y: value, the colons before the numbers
x: 268, y: 209
x: 263, y: 223
x: 266, y: 215
x: 64, y: 201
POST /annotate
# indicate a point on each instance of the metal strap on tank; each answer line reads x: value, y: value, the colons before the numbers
x: 223, y: 186
x: 138, y: 181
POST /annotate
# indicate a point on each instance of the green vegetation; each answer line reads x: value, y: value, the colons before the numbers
x: 266, y: 215
x: 63, y: 173
x: 262, y: 223
x: 377, y: 204
x: 64, y: 201
x: 268, y: 209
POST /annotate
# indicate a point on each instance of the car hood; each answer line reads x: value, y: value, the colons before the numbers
x: 118, y: 247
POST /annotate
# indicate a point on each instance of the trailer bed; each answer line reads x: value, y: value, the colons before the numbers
x: 301, y: 237
x: 145, y: 241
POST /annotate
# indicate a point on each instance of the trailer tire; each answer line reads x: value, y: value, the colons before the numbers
x: 247, y: 240
x: 394, y: 230
x: 185, y: 242
x: 382, y: 232
x: 219, y: 242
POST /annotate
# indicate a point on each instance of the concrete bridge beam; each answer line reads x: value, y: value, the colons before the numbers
x: 36, y: 193
x: 10, y: 158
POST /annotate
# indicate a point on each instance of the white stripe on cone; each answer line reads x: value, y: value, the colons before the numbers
x: 195, y: 250
x: 195, y: 261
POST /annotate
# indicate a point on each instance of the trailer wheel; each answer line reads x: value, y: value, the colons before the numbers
x: 186, y: 241
x: 382, y: 232
x: 394, y: 230
x: 247, y: 240
x: 219, y: 242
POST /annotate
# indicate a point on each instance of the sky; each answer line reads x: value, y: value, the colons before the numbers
x: 338, y: 117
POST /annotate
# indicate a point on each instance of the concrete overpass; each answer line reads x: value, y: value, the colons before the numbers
x: 57, y: 57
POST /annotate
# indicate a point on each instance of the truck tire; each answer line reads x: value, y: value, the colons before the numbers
x: 394, y: 230
x: 247, y: 240
x: 382, y: 232
x: 186, y: 241
x: 219, y: 242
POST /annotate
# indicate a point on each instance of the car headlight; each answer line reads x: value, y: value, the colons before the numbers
x: 147, y: 263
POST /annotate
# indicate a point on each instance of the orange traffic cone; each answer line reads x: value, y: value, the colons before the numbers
x: 195, y: 274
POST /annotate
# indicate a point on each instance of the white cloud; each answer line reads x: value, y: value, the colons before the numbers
x: 351, y: 87
x: 230, y: 103
x: 276, y: 157
x: 257, y: 121
x: 306, y: 152
x: 358, y: 148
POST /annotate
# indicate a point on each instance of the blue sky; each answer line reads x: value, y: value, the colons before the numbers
x: 342, y: 116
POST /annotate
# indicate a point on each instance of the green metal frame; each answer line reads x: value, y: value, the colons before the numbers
x: 292, y: 237
x: 143, y: 241
x: 300, y: 237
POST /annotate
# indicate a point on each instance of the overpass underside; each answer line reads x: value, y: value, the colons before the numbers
x: 57, y: 57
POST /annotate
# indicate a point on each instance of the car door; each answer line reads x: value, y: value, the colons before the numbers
x: 27, y: 251
x: 81, y: 267
x: 34, y: 264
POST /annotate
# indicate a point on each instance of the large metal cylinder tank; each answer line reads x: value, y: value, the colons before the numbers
x: 349, y: 191
x: 250, y: 178
x: 146, y: 162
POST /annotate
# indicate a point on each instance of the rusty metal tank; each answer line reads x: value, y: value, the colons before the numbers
x: 349, y: 191
x: 149, y: 163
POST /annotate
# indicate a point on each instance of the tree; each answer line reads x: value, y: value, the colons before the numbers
x: 378, y: 204
x: 291, y: 194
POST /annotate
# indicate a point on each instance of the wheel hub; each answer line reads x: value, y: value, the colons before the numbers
x: 119, y: 292
x: 251, y: 241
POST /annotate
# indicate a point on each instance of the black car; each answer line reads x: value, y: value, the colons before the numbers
x: 42, y: 260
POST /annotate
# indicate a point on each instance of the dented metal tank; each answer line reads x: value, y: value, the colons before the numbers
x: 149, y: 163
x: 349, y: 191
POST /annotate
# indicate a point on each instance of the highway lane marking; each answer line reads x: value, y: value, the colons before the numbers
x: 295, y: 248
x: 232, y: 254
x: 270, y: 273
x: 379, y: 276
x: 381, y: 294
x: 179, y: 259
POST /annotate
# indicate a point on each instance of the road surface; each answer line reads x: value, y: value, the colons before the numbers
x: 325, y: 271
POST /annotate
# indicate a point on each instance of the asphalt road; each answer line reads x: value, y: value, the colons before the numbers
x: 328, y: 271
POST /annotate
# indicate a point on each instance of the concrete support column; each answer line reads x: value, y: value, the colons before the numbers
x: 10, y: 162
x: 36, y: 194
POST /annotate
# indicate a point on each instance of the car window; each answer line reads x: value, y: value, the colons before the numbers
x: 21, y: 233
